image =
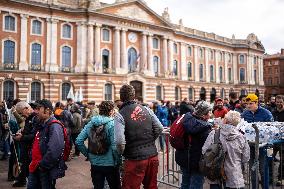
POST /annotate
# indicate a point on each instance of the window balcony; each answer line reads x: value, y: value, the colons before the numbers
x: 66, y: 69
x: 243, y: 82
x: 35, y: 67
x: 108, y: 70
x: 9, y: 66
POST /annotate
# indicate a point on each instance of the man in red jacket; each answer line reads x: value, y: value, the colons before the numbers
x: 220, y: 110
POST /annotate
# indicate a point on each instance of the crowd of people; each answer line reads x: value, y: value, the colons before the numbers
x: 37, y: 139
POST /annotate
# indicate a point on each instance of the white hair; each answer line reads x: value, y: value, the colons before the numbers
x: 20, y: 106
x: 233, y: 117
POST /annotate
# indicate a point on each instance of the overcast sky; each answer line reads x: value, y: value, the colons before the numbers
x: 265, y: 18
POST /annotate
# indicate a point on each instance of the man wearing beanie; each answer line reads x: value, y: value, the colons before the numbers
x: 198, y: 128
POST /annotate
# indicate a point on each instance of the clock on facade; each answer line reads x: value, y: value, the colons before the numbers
x: 132, y: 37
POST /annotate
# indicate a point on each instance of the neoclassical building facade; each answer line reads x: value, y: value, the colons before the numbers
x: 51, y: 46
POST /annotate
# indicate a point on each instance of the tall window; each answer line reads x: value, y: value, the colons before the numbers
x: 156, y: 65
x: 242, y: 74
x: 175, y: 68
x: 155, y: 43
x: 66, y: 57
x: 10, y: 24
x: 229, y: 58
x: 220, y: 56
x: 189, y: 70
x: 254, y: 75
x: 36, y: 27
x: 106, y: 35
x: 105, y: 59
x: 242, y: 59
x: 65, y: 90
x: 177, y: 93
x: 244, y: 92
x: 108, y: 91
x: 159, y: 92
x: 189, y: 51
x: 222, y: 93
x: 66, y: 31
x: 36, y: 54
x: 255, y: 60
x: 8, y: 90
x: 201, y: 72
x: 211, y: 55
x: 221, y: 73
x: 9, y: 52
x: 230, y: 74
x: 190, y: 93
x: 36, y: 91
x: 211, y: 73
x: 201, y: 53
x: 175, y: 48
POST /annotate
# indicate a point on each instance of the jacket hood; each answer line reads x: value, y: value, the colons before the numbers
x: 229, y: 132
x: 58, y: 112
x: 100, y: 120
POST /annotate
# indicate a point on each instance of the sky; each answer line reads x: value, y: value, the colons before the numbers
x: 264, y: 18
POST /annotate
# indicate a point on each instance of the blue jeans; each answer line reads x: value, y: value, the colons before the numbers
x: 40, y: 180
x: 191, y: 180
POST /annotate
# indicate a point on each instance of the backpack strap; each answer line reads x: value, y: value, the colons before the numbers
x: 217, y: 136
x: 55, y: 121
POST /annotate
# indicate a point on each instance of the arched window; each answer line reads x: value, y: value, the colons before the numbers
x: 189, y: 70
x: 190, y: 93
x: 106, y: 34
x: 221, y: 73
x: 8, y: 90
x: 175, y: 48
x: 36, y: 27
x: 158, y: 92
x: 242, y: 59
x: 189, y: 51
x: 230, y: 74
x: 65, y: 90
x: 175, y: 68
x: 10, y: 24
x: 156, y: 65
x: 36, y: 54
x: 222, y: 92
x: 201, y: 72
x: 201, y: 53
x: 155, y: 43
x: 105, y: 60
x: 66, y: 57
x: 36, y: 91
x: 213, y: 94
x: 9, y: 52
x: 242, y: 75
x: 177, y: 93
x: 132, y: 60
x: 202, y: 93
x: 211, y: 73
x: 108, y: 91
x: 66, y: 31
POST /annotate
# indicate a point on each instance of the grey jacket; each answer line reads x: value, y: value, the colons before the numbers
x: 77, y: 122
x: 238, y: 153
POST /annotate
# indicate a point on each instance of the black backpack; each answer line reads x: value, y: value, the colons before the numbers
x: 211, y: 163
x: 98, y: 142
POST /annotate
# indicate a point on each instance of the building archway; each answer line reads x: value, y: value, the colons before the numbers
x: 202, y: 93
x: 132, y: 60
x: 138, y: 86
x: 213, y: 94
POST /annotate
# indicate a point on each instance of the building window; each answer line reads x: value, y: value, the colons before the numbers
x: 255, y: 60
x: 177, y: 93
x: 66, y: 57
x: 156, y: 65
x: 106, y: 34
x: 36, y: 91
x: 201, y: 72
x: 189, y: 51
x: 155, y: 43
x: 222, y: 93
x: 9, y: 52
x: 244, y: 92
x: 175, y: 68
x: 65, y: 90
x: 221, y: 73
x: 190, y: 93
x: 211, y: 73
x: 105, y: 59
x: 242, y: 59
x: 211, y: 54
x: 269, y: 81
x: 230, y: 74
x: 108, y: 91
x: 10, y: 23
x: 189, y: 70
x: 242, y: 75
x: 159, y: 92
x: 229, y: 58
x: 66, y: 31
x: 220, y: 56
x: 132, y: 60
x: 175, y: 48
x: 270, y: 70
x: 36, y: 54
x: 276, y: 80
x: 254, y: 75
x: 201, y: 53
x: 8, y: 90
x: 36, y: 27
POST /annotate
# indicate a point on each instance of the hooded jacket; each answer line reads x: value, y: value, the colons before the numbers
x: 111, y: 158
x: 237, y: 153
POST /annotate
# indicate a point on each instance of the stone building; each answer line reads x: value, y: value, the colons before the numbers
x: 51, y: 46
x: 273, y: 74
